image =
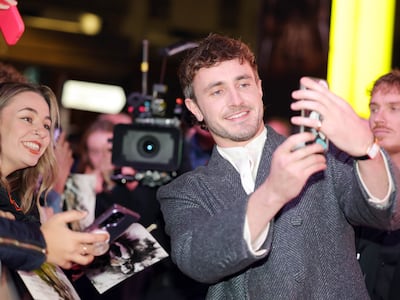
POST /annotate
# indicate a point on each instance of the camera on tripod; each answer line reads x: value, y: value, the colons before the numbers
x: 153, y: 143
x: 147, y: 146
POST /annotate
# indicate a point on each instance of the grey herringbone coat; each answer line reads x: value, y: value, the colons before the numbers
x: 310, y: 246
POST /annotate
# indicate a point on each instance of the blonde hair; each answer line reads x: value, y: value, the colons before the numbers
x: 32, y: 182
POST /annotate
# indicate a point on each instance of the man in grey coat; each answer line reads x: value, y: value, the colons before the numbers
x: 267, y: 219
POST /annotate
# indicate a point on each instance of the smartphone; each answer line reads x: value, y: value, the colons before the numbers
x: 114, y: 220
x: 320, y: 138
x: 11, y: 25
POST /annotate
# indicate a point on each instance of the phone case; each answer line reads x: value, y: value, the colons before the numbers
x: 115, y: 220
x: 11, y: 25
x: 320, y: 138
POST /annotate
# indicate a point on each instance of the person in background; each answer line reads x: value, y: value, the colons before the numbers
x: 264, y: 219
x: 200, y: 144
x: 118, y: 118
x: 95, y: 154
x: 8, y: 73
x: 379, y: 251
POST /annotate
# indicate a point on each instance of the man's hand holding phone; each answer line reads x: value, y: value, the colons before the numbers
x: 339, y: 122
x: 320, y: 137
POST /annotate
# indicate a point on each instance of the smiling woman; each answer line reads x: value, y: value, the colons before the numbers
x: 28, y: 116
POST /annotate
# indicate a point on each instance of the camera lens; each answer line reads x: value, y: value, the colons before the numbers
x: 148, y: 146
x: 112, y: 221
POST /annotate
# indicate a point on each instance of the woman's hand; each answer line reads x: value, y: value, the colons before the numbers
x: 64, y: 246
x: 7, y: 215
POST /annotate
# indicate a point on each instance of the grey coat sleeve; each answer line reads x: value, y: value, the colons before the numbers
x: 205, y: 217
x: 360, y: 211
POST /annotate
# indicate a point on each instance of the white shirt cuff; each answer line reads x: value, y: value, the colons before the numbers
x: 256, y: 245
x: 380, y: 203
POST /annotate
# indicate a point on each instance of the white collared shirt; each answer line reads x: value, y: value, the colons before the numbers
x: 252, y: 154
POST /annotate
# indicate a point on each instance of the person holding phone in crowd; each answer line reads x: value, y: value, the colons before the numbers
x: 28, y: 258
x: 28, y: 115
x: 379, y: 251
x: 263, y: 220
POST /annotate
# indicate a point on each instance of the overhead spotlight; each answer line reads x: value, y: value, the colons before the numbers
x: 84, y: 23
x: 90, y: 23
x: 91, y: 96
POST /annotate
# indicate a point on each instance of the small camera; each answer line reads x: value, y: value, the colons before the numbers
x: 147, y: 146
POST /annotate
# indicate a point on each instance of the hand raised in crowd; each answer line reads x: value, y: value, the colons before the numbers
x: 131, y: 172
x: 81, y: 246
x: 65, y: 160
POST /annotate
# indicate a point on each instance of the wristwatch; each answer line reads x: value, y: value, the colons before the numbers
x: 372, y: 151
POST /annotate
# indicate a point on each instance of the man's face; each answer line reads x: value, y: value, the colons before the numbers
x: 229, y: 100
x: 385, y: 119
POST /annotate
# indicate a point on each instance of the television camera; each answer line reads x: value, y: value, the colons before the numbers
x: 153, y: 143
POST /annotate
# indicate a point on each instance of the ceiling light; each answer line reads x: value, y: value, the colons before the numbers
x: 85, y: 23
x: 90, y: 96
x: 90, y: 23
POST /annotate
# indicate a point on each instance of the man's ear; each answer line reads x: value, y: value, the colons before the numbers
x: 194, y: 109
x: 259, y: 85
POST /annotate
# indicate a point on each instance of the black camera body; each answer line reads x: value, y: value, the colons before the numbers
x: 153, y: 143
x: 146, y: 146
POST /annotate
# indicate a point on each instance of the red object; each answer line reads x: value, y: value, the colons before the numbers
x: 11, y: 25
